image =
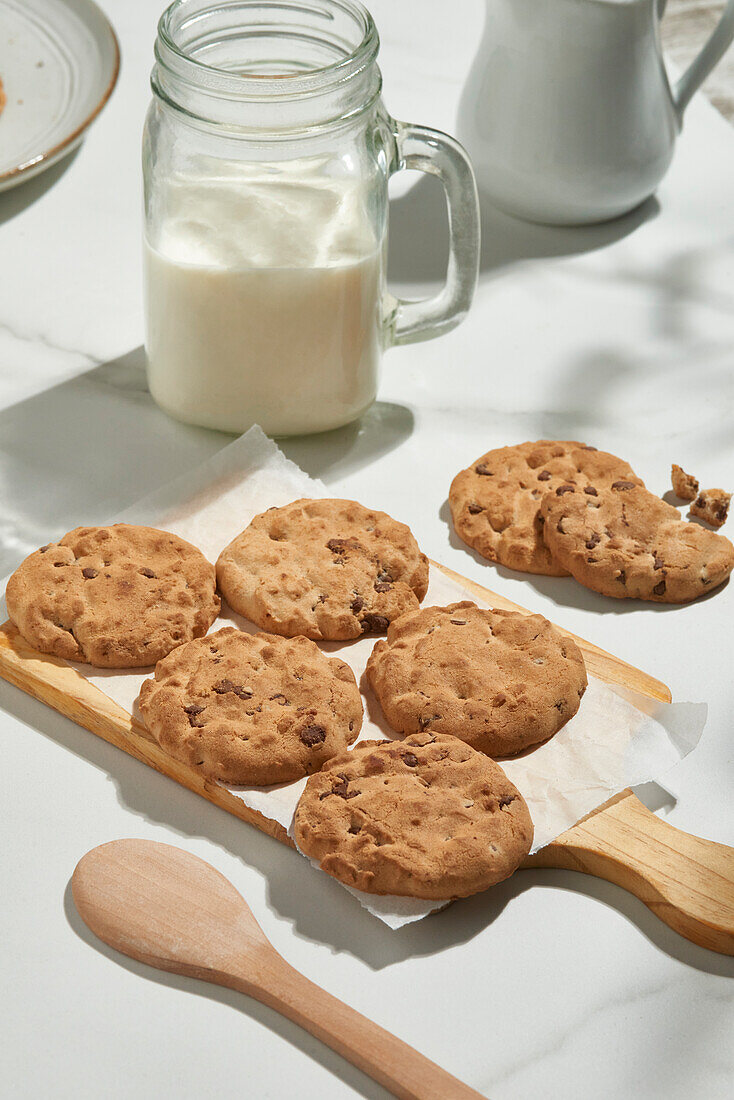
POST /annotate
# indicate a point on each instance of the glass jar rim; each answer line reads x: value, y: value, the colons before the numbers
x: 289, y: 85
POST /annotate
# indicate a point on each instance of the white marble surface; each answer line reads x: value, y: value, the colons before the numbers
x: 552, y: 984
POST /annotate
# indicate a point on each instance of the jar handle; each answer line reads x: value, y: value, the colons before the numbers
x: 717, y: 45
x: 432, y: 151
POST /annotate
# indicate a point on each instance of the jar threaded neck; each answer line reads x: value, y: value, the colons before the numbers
x: 267, y: 65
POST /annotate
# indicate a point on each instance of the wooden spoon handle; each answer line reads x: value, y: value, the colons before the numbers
x: 387, y: 1059
x: 686, y: 881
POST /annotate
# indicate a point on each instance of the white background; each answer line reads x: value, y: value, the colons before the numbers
x: 551, y: 984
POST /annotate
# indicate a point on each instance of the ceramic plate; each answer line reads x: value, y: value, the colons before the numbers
x: 59, y: 61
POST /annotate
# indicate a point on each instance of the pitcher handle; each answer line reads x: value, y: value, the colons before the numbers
x: 432, y: 151
x: 709, y: 56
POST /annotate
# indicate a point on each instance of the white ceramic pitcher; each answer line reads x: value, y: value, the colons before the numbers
x: 568, y: 113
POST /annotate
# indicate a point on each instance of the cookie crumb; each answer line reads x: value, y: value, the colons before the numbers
x: 711, y: 505
x: 684, y: 485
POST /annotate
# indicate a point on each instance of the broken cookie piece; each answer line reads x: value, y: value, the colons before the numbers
x: 711, y: 505
x: 684, y: 485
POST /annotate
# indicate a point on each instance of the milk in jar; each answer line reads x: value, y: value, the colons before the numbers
x: 264, y: 299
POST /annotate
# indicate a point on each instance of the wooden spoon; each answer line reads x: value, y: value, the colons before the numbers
x: 169, y: 909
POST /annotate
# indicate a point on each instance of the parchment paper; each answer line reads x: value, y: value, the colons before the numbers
x: 617, y: 739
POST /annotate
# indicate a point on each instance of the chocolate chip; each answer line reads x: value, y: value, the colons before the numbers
x: 383, y: 586
x: 193, y: 711
x: 458, y: 622
x: 89, y: 574
x: 337, y: 546
x: 564, y: 489
x: 590, y: 491
x: 312, y: 735
x: 339, y: 788
x: 58, y: 564
x: 593, y: 541
x: 658, y: 563
x: 410, y: 759
x: 544, y: 475
x: 474, y: 509
x: 506, y: 800
x: 622, y: 577
x: 701, y: 503
x: 426, y: 721
x: 146, y: 572
x: 559, y: 706
x: 43, y: 549
x: 484, y: 470
x: 226, y: 686
x: 376, y: 624
x: 279, y: 698
x: 622, y: 486
x: 499, y: 699
x: 659, y: 588
x: 357, y: 604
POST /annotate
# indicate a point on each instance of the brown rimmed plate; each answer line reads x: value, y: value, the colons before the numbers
x: 59, y: 61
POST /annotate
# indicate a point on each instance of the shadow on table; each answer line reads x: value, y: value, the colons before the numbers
x: 339, y: 452
x: 419, y: 238
x: 85, y: 449
x: 17, y: 199
x: 89, y: 447
x: 317, y: 907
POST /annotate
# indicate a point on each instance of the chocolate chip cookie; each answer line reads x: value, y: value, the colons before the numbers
x: 625, y: 542
x: 114, y: 597
x: 495, y: 503
x: 327, y: 569
x: 252, y: 708
x: 427, y: 817
x: 498, y: 680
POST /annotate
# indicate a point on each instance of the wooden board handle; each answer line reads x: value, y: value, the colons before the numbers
x: 686, y: 881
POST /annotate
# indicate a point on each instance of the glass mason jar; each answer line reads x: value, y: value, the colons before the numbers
x: 266, y: 156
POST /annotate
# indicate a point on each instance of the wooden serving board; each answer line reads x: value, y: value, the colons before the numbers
x: 687, y: 881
